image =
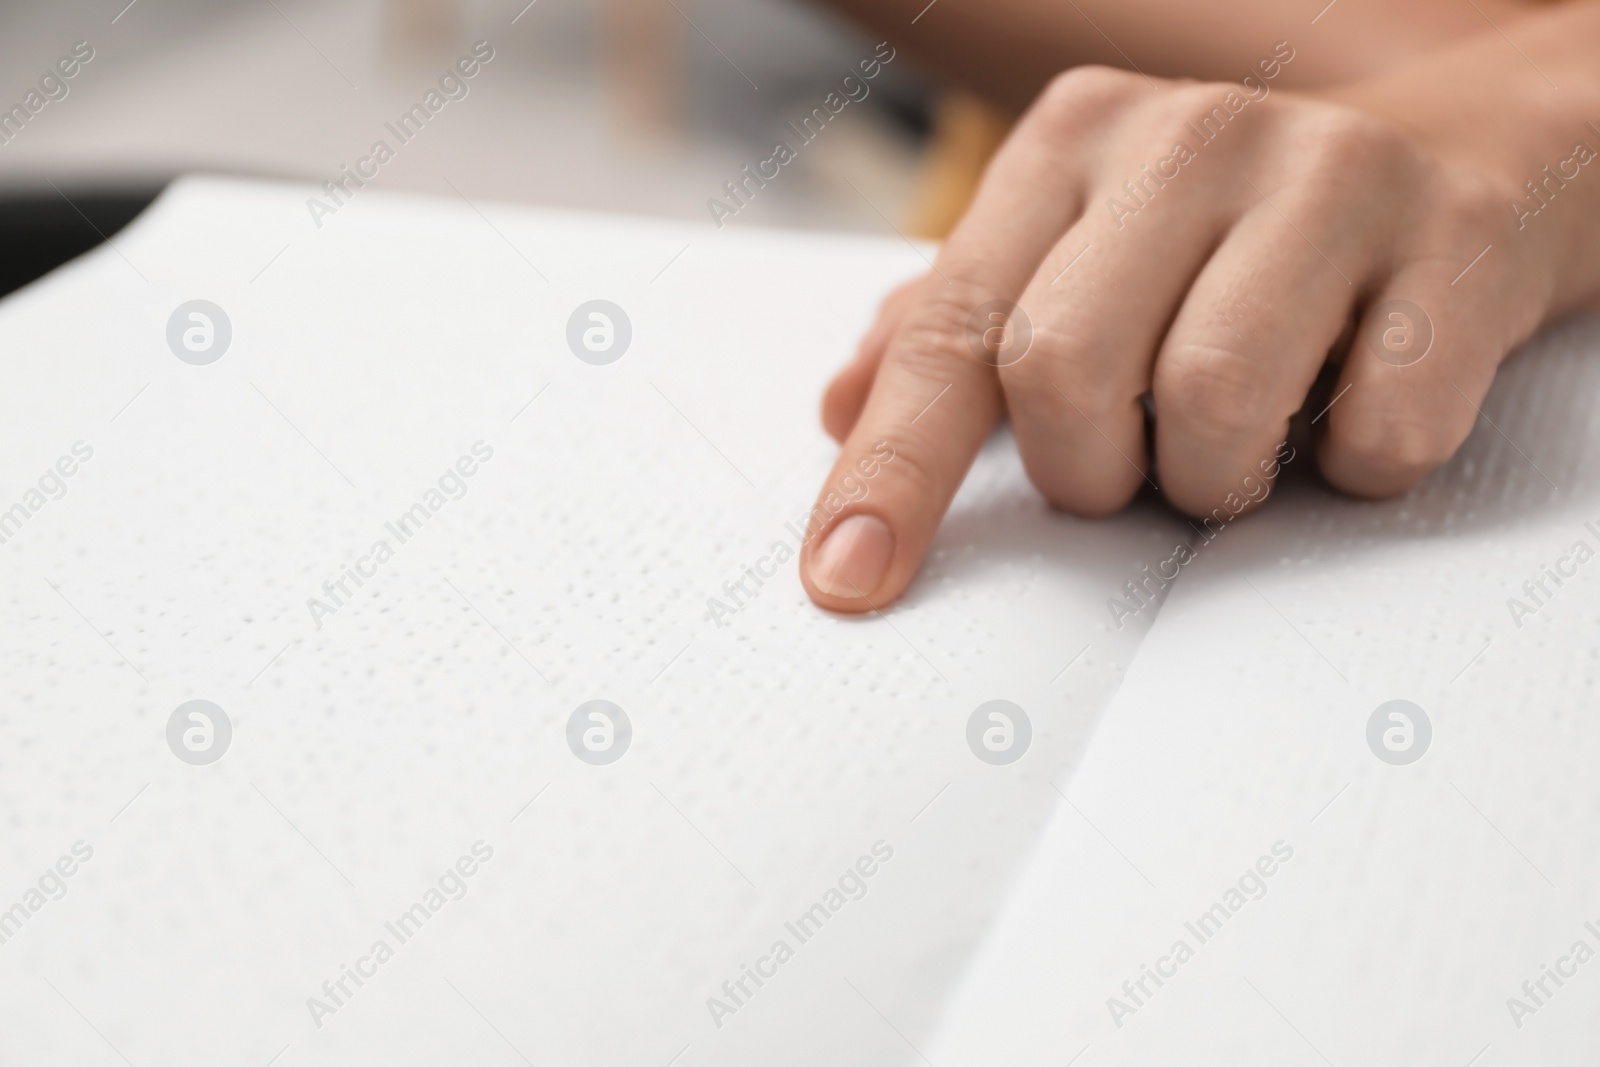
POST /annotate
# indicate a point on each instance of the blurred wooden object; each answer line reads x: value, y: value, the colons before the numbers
x: 641, y: 56
x: 412, y: 27
x: 966, y: 133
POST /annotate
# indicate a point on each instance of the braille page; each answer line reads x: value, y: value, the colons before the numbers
x: 404, y: 661
x: 1344, y: 807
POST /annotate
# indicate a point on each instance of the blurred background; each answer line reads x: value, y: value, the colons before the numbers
x: 619, y: 105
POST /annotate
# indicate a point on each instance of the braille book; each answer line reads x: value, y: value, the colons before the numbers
x: 404, y: 662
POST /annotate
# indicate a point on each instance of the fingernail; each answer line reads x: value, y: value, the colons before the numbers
x: 853, y: 558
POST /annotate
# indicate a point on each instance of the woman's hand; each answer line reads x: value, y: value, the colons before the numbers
x: 1210, y: 244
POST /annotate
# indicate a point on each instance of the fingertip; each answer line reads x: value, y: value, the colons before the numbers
x: 1379, y: 454
x: 847, y: 569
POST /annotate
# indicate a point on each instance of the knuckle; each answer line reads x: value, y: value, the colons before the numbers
x: 1343, y: 146
x: 1467, y: 204
x: 1088, y: 82
x: 1074, y: 97
x: 1057, y: 376
x: 1219, y: 394
x: 1214, y: 117
x: 912, y: 470
x: 1036, y: 370
x: 1196, y: 102
x: 933, y: 336
x: 1178, y: 114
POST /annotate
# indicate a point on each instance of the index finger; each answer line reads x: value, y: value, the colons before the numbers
x: 934, y: 399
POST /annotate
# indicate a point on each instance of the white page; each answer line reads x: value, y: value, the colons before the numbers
x: 372, y: 752
x: 1418, y: 898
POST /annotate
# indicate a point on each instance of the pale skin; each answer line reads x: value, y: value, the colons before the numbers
x: 1353, y: 177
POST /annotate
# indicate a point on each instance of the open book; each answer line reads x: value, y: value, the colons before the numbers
x: 404, y: 663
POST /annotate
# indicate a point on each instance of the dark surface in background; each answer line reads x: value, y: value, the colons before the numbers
x: 38, y: 234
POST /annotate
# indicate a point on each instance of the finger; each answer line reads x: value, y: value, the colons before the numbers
x: 1422, y: 361
x: 846, y: 394
x: 934, y: 400
x: 1098, y: 308
x: 1246, y: 346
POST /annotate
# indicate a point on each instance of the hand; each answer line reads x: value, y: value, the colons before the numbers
x: 1212, y: 245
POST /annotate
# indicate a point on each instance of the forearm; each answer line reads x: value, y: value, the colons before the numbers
x: 1007, y: 50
